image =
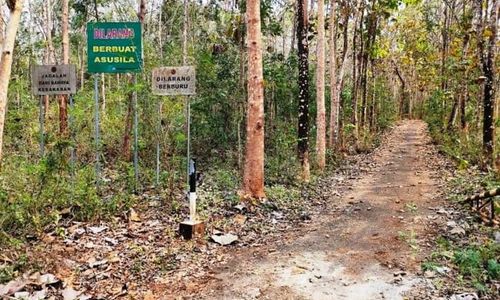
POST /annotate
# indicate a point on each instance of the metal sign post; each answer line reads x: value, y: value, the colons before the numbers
x: 72, y: 134
x: 188, y: 154
x: 192, y: 190
x: 42, y: 131
x: 136, y: 136
x: 171, y: 81
x: 158, y: 133
x: 97, y: 129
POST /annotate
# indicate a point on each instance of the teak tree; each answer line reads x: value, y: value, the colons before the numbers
x: 303, y: 55
x: 487, y: 59
x: 63, y: 100
x: 15, y: 8
x: 253, y: 173
x: 336, y: 82
x: 320, y: 90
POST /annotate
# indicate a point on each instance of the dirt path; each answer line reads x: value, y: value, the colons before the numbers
x: 365, y: 247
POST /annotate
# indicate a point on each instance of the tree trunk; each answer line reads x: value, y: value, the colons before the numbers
x: 373, y: 105
x: 15, y: 7
x: 454, y: 111
x: 369, y: 40
x: 444, y: 48
x: 338, y: 137
x: 253, y: 174
x: 403, y: 92
x: 463, y: 103
x: 50, y: 52
x: 63, y: 99
x: 357, y: 29
x: 126, y: 144
x: 488, y: 60
x: 334, y: 107
x: 320, y: 89
x: 127, y: 135
x: 303, y: 56
x: 294, y: 29
x: 2, y: 26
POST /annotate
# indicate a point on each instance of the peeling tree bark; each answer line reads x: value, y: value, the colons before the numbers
x: 338, y: 138
x: 63, y: 99
x: 334, y: 107
x: 320, y: 89
x: 357, y: 30
x: 15, y: 7
x: 253, y: 173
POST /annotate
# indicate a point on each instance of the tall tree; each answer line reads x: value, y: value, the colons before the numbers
x: 63, y: 100
x: 15, y: 8
x: 336, y: 120
x: 303, y: 55
x: 487, y: 57
x: 368, y: 41
x: 127, y: 135
x: 334, y: 106
x: 320, y: 88
x: 253, y: 173
x: 357, y: 31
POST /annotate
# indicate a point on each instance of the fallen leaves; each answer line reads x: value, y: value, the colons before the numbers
x: 38, y: 286
x: 133, y: 216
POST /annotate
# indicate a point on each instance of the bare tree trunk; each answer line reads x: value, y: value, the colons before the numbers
x: 487, y: 61
x: 370, y: 39
x: 338, y: 138
x: 81, y: 66
x: 373, y: 105
x: 160, y: 27
x: 294, y: 28
x: 357, y: 31
x: 15, y: 7
x: 334, y: 107
x: 454, y: 111
x: 253, y: 174
x: 463, y: 103
x: 50, y: 56
x: 303, y: 54
x: 241, y: 100
x: 50, y: 43
x: 127, y: 136
x: 126, y: 144
x: 2, y: 29
x: 444, y: 48
x: 403, y: 92
x: 63, y: 99
x: 320, y: 90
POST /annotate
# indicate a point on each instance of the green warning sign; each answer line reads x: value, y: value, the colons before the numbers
x: 114, y: 47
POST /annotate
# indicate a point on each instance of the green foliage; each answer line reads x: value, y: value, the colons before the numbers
x: 480, y: 263
x: 9, y: 272
x: 47, y: 196
x: 477, y: 264
x: 38, y: 194
x: 282, y: 194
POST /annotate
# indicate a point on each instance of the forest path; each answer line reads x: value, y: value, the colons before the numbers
x: 365, y: 247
